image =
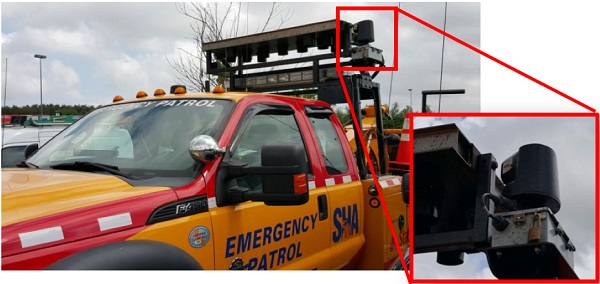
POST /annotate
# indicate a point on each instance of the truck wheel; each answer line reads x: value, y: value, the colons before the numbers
x: 129, y: 255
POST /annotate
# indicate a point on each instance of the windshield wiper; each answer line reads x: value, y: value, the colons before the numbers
x: 82, y: 166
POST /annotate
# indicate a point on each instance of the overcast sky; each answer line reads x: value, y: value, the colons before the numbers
x: 91, y: 57
x: 104, y: 49
x: 573, y: 140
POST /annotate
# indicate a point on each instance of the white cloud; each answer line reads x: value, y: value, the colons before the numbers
x: 472, y: 121
x: 8, y: 38
x: 63, y: 84
x: 74, y: 40
x: 64, y: 75
x: 474, y: 267
x: 586, y: 264
x: 124, y: 72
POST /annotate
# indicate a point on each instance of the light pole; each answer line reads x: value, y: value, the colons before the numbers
x: 41, y: 100
x: 411, y: 107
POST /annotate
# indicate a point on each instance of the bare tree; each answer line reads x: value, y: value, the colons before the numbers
x: 214, y: 21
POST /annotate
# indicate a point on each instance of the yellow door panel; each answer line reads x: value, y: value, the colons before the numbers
x: 277, y: 237
x: 346, y: 225
x: 380, y: 248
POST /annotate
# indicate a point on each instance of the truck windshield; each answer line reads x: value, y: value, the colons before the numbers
x: 146, y: 140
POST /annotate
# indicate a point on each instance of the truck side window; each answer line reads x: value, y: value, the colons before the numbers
x: 264, y: 129
x: 331, y: 148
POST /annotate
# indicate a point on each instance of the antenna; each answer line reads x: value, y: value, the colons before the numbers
x: 442, y: 64
x: 391, y: 80
x: 5, y: 80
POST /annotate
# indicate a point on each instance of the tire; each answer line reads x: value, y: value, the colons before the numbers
x: 129, y: 255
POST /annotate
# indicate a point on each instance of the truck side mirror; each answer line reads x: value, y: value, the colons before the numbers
x: 30, y: 149
x: 205, y: 149
x: 282, y: 173
x: 290, y: 185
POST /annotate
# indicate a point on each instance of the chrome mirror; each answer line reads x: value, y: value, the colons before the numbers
x: 204, y: 148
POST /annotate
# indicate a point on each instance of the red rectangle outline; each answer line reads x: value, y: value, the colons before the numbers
x: 411, y: 116
x: 393, y: 9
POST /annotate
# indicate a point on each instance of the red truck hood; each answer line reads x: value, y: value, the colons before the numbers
x: 42, y: 208
x: 28, y: 194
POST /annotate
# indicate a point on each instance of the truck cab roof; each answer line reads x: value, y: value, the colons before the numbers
x: 234, y: 96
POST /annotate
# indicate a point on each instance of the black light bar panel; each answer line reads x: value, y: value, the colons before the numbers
x: 321, y: 35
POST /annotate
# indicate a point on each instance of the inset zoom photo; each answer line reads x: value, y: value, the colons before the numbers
x: 497, y: 196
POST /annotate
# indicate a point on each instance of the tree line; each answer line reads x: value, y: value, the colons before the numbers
x: 394, y: 121
x: 49, y: 109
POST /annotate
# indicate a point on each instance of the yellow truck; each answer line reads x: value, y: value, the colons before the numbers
x: 236, y: 179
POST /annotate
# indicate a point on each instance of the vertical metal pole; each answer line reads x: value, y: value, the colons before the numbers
x: 442, y: 64
x: 360, y: 152
x: 411, y: 105
x: 390, y: 95
x: 5, y: 79
x: 41, y: 100
x: 379, y: 126
x: 208, y: 70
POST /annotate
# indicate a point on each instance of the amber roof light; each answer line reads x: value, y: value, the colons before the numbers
x: 219, y: 89
x: 141, y: 94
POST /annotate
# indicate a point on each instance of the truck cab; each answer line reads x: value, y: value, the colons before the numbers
x: 124, y: 173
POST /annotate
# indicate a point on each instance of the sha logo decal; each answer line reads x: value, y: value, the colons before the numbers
x: 199, y: 237
x: 345, y: 221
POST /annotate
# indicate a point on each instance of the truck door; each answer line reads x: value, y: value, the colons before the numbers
x: 344, y: 189
x: 269, y: 237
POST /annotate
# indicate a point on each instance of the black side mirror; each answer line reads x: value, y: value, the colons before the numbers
x: 290, y: 185
x: 30, y: 149
x: 282, y: 173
